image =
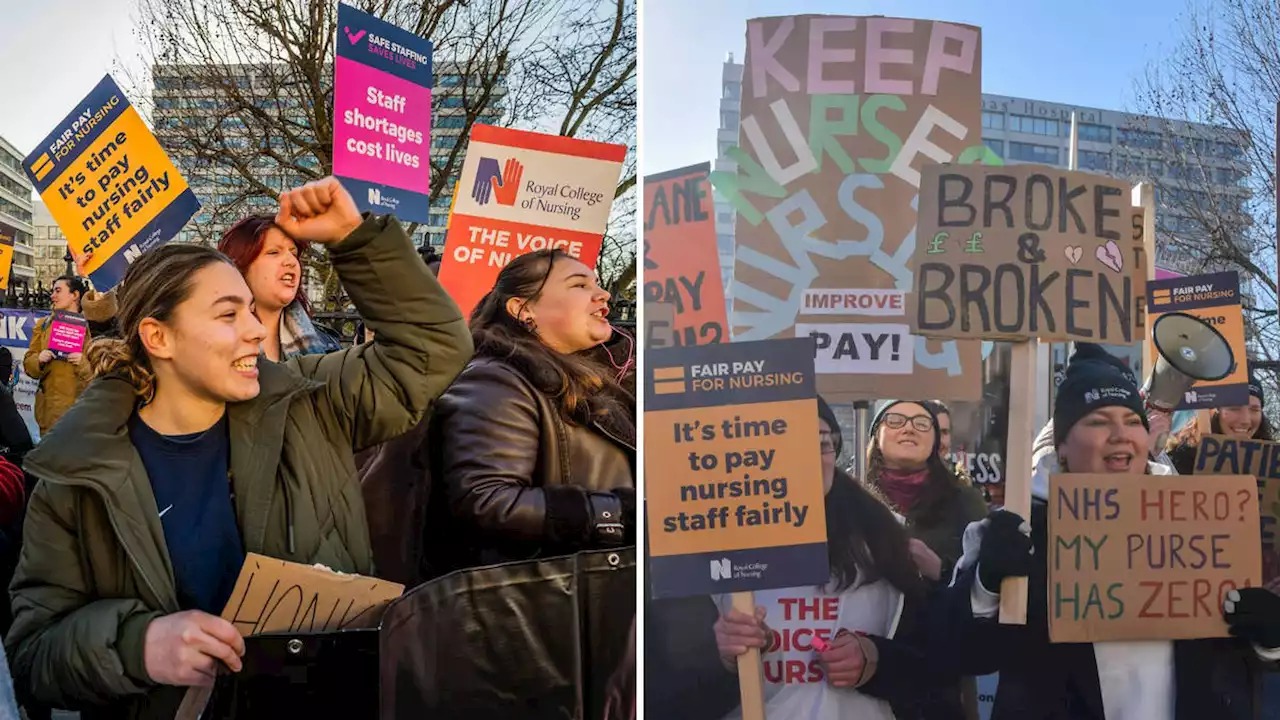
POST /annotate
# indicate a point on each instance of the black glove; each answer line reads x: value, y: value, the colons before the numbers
x: 1006, y: 550
x: 1254, y: 615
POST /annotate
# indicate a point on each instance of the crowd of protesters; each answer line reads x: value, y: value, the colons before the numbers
x: 917, y: 563
x: 218, y: 419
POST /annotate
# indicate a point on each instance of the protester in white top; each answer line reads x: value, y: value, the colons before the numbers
x: 869, y: 618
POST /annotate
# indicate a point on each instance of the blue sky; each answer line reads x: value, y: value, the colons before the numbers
x: 1082, y: 52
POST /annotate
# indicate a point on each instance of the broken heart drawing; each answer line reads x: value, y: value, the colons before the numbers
x: 1073, y: 253
x: 1110, y: 256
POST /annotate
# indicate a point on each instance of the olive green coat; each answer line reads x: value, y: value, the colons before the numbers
x: 95, y: 569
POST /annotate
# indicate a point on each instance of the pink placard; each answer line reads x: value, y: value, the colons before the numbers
x: 381, y: 130
x: 67, y: 332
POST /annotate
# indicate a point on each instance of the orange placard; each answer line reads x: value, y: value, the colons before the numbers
x: 1215, y: 298
x: 521, y: 192
x: 1148, y: 557
x: 733, y: 476
x: 681, y: 265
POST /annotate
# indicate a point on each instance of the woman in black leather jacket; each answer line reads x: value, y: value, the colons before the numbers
x: 533, y: 447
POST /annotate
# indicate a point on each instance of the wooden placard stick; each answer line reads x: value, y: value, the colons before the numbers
x: 1018, y: 469
x: 750, y: 666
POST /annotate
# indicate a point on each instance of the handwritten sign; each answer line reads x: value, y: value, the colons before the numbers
x: 839, y: 116
x: 273, y: 595
x: 521, y: 192
x: 67, y: 331
x: 1024, y: 252
x: 1222, y: 455
x: 1146, y: 557
x: 109, y: 184
x: 733, y: 480
x: 382, y: 115
x: 1214, y: 298
x: 659, y: 325
x: 681, y: 265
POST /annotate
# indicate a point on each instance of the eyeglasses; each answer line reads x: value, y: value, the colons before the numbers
x: 896, y: 421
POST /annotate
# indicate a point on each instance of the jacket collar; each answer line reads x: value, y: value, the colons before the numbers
x: 90, y: 447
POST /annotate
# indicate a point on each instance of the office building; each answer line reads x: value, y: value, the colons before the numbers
x: 727, y: 137
x: 182, y: 99
x: 50, y: 247
x: 15, y: 210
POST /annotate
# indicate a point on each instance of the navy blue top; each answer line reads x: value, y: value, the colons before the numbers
x: 189, y: 477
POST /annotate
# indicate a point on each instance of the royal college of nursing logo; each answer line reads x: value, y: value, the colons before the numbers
x: 377, y: 199
x: 721, y: 569
x: 496, y: 183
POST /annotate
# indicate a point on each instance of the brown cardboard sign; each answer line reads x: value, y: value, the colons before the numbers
x: 1148, y: 557
x: 1221, y: 455
x: 273, y: 595
x: 839, y: 116
x: 1026, y: 252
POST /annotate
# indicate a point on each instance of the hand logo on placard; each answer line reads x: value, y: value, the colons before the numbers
x: 482, y: 189
x: 504, y: 191
x: 353, y: 37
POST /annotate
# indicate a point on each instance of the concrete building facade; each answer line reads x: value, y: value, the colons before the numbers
x: 50, y: 247
x: 15, y: 210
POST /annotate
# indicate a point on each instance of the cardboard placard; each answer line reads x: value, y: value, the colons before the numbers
x: 1148, y: 557
x: 681, y: 265
x: 839, y: 116
x: 67, y: 332
x: 275, y: 596
x: 1215, y: 298
x: 523, y: 191
x: 109, y: 184
x: 1025, y: 252
x: 659, y: 325
x: 382, y: 116
x: 733, y: 471
x: 1222, y: 455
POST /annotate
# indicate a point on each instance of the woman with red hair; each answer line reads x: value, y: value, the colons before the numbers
x: 271, y: 263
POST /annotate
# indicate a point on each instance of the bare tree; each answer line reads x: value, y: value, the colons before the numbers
x: 254, y: 80
x: 1218, y: 195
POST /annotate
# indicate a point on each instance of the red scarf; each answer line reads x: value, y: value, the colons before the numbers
x: 902, y: 487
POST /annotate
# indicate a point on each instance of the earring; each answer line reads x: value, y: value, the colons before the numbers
x: 529, y: 324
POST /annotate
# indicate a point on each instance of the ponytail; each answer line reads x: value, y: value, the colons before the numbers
x: 114, y: 356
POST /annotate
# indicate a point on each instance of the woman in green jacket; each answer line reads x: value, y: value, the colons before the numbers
x: 190, y: 450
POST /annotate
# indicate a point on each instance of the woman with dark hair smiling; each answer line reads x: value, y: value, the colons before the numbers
x: 533, y: 446
x: 61, y: 379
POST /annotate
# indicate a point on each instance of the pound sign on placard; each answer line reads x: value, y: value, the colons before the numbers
x: 974, y: 244
x: 935, y: 245
x: 1029, y: 251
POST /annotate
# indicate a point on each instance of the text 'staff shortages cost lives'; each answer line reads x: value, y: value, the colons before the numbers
x: 733, y: 478
x: 1214, y: 298
x: 109, y: 184
x: 520, y: 192
x: 382, y: 116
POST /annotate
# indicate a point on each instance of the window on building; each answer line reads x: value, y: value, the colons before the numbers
x: 1093, y: 133
x: 1089, y: 160
x: 733, y: 90
x: 1035, y: 125
x: 451, y: 101
x: 992, y: 120
x: 1141, y: 139
x: 1030, y: 152
x: 729, y: 119
x: 996, y: 146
